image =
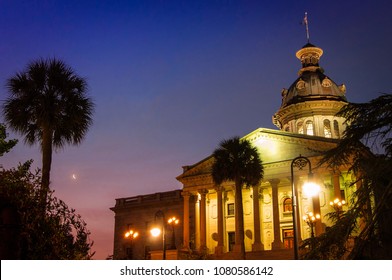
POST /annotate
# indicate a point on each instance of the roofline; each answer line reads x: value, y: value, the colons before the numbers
x: 269, y: 131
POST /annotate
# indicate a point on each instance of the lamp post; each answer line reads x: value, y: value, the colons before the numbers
x: 310, y: 219
x: 156, y: 231
x: 337, y: 205
x: 172, y: 222
x: 300, y: 163
x: 131, y: 235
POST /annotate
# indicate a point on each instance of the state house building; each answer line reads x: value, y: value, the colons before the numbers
x: 307, y: 126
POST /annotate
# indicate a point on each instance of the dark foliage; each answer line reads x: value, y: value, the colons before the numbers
x: 364, y: 231
x: 27, y: 232
x: 5, y: 145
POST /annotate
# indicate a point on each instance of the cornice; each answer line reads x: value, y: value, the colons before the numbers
x: 289, y: 137
x: 310, y: 107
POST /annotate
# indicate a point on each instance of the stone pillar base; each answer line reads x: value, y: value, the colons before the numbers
x: 277, y: 245
x: 203, y: 250
x: 236, y: 248
x: 219, y: 250
x: 257, y: 247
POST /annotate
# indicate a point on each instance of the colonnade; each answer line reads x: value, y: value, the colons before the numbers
x: 220, y: 248
x: 276, y: 243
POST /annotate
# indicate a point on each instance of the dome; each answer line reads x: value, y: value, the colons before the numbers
x: 310, y: 104
x: 312, y: 83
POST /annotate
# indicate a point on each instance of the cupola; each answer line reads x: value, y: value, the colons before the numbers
x: 310, y: 104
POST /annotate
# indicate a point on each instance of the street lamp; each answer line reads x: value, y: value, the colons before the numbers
x: 172, y: 222
x: 157, y: 231
x: 337, y: 205
x: 131, y: 235
x: 300, y: 163
x: 310, y: 219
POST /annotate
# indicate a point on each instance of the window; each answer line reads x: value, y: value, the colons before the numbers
x: 336, y: 128
x: 231, y: 240
x: 309, y: 128
x: 230, y: 209
x: 287, y: 205
x: 343, y: 195
x: 288, y: 238
x: 300, y: 128
x: 327, y: 129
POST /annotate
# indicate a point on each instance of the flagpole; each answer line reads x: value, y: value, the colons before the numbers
x: 306, y: 25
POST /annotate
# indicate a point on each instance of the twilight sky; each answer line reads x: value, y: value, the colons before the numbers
x: 171, y: 79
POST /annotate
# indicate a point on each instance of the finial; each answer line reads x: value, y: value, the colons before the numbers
x: 305, y: 22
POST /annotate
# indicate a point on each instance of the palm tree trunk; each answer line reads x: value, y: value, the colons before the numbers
x: 239, y: 224
x: 46, y: 147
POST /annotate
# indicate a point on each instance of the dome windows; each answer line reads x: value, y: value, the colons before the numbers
x: 336, y: 128
x: 300, y: 128
x: 306, y: 128
x: 327, y: 129
x: 309, y: 128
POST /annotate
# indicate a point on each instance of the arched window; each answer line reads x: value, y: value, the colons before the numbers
x: 336, y: 128
x: 309, y: 128
x: 287, y: 205
x: 300, y: 128
x: 327, y: 129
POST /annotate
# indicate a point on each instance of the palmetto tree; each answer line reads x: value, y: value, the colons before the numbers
x: 237, y: 161
x: 47, y: 104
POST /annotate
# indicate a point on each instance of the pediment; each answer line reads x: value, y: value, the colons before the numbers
x: 274, y: 146
x: 202, y: 168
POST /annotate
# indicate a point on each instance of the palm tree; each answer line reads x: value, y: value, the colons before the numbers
x: 237, y: 161
x: 47, y: 104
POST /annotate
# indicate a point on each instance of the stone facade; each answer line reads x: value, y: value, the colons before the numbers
x: 308, y: 126
x: 267, y: 207
x: 138, y: 213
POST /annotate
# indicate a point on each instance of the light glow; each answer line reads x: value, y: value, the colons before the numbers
x: 132, y: 234
x: 173, y: 220
x: 311, y: 189
x: 155, y: 232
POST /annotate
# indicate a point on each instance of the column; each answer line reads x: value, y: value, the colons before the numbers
x: 257, y: 245
x: 317, y: 209
x: 336, y: 185
x: 203, y: 224
x: 186, y: 196
x: 220, y: 249
x: 277, y: 243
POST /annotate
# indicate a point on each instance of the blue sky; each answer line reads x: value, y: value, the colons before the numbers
x: 171, y: 79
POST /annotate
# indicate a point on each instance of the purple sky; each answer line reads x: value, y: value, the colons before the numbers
x: 171, y: 79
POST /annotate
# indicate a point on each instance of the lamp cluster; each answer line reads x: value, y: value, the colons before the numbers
x: 337, y: 203
x: 131, y: 234
x: 173, y: 221
x: 311, y: 218
x: 157, y: 231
